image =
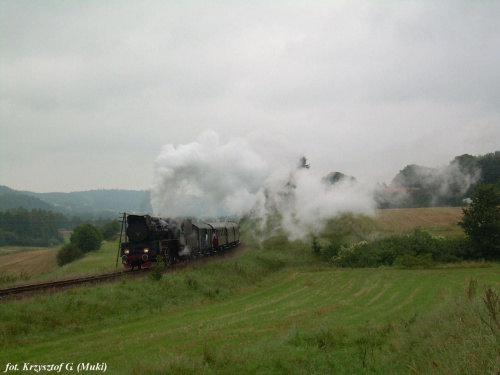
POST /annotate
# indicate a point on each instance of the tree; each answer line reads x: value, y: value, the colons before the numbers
x: 67, y: 254
x: 87, y: 237
x: 110, y: 230
x: 481, y: 222
x: 316, y: 247
x: 336, y: 177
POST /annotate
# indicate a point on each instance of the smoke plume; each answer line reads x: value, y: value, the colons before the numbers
x: 208, y: 178
x: 447, y: 185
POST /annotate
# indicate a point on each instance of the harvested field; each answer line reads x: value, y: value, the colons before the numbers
x: 32, y: 262
x: 404, y: 219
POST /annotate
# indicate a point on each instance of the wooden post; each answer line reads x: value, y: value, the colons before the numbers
x: 124, y: 219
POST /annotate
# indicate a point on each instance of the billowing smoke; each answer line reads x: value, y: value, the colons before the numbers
x: 447, y: 185
x: 207, y: 178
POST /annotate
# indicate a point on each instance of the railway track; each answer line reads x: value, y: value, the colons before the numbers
x: 64, y: 283
x: 61, y: 284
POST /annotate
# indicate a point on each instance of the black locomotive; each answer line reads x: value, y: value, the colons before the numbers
x: 175, y: 239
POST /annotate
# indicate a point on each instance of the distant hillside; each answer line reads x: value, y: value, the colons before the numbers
x: 104, y: 203
x: 13, y: 200
x: 5, y: 189
x: 461, y: 176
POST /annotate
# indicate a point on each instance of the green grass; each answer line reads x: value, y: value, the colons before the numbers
x: 275, y: 310
x: 103, y: 260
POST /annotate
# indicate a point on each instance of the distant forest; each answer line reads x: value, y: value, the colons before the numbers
x: 20, y: 227
x: 37, y: 227
x: 35, y: 219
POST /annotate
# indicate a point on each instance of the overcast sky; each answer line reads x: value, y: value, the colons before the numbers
x: 90, y: 91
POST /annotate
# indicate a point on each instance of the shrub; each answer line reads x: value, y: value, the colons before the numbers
x: 157, y: 269
x: 110, y: 230
x: 67, y: 254
x: 332, y: 249
x: 411, y: 261
x: 418, y: 249
x: 87, y: 237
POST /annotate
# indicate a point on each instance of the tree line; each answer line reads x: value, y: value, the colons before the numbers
x: 38, y: 227
x: 20, y: 227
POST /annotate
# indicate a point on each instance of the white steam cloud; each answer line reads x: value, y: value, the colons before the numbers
x: 209, y: 178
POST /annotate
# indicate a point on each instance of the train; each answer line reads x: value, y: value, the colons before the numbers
x: 147, y: 237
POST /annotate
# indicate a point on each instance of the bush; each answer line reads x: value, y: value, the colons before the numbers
x: 110, y: 230
x: 68, y: 254
x: 412, y: 261
x: 157, y: 269
x: 419, y: 249
x: 87, y: 237
x: 332, y: 250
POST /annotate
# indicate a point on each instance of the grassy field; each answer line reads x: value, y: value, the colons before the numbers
x: 20, y: 265
x: 271, y: 309
x: 29, y: 262
x: 437, y: 220
x: 275, y: 309
x: 276, y: 320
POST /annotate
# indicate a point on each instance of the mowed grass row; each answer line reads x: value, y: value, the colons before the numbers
x: 275, y: 320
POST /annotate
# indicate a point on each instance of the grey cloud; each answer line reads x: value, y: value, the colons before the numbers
x: 363, y: 87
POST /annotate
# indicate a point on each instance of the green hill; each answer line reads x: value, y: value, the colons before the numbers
x: 16, y: 200
x: 93, y: 203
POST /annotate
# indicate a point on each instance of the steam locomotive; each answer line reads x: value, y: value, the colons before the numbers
x: 174, y: 239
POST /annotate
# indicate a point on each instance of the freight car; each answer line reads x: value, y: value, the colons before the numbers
x: 174, y: 239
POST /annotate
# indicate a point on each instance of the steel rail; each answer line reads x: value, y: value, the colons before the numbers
x: 60, y: 283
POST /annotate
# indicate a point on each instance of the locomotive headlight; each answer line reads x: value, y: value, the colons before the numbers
x: 127, y: 251
x: 146, y: 251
